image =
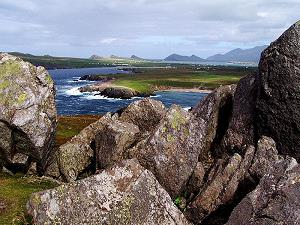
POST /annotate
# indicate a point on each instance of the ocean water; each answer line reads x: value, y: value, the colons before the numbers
x: 70, y: 101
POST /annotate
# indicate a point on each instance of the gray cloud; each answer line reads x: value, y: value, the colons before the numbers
x: 149, y: 28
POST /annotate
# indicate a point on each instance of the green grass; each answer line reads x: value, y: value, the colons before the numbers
x: 69, y: 126
x: 15, y: 192
x: 149, y: 80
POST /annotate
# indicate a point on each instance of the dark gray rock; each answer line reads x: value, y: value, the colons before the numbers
x: 266, y: 156
x: 197, y: 179
x: 118, y: 92
x: 274, y: 201
x: 27, y: 112
x: 278, y: 102
x: 241, y: 131
x: 209, y: 122
x: 124, y: 194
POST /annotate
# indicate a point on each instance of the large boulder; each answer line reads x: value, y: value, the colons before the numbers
x: 124, y: 194
x: 27, y: 112
x: 146, y: 114
x: 75, y: 156
x: 168, y: 153
x: 275, y: 200
x: 241, y: 131
x: 278, y: 105
x: 113, y: 141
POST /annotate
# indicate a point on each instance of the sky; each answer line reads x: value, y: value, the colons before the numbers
x: 146, y: 28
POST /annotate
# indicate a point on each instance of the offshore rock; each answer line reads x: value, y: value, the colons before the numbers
x: 123, y: 194
x: 27, y: 112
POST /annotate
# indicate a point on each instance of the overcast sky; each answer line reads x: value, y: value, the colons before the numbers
x: 147, y: 28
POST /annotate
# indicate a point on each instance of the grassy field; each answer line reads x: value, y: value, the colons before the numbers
x: 149, y: 80
x: 15, y: 190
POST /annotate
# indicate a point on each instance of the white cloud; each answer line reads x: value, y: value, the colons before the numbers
x: 150, y: 28
x: 108, y: 40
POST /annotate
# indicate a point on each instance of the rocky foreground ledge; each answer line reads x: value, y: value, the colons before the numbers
x: 231, y: 160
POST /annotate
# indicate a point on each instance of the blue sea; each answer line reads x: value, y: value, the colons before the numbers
x: 70, y: 101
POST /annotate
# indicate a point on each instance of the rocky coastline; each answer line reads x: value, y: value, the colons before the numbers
x: 232, y: 159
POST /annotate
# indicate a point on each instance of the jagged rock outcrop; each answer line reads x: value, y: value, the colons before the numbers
x: 196, y: 180
x: 146, y: 114
x: 167, y: 148
x: 124, y: 194
x: 210, y: 121
x: 27, y: 113
x: 266, y: 156
x: 221, y: 185
x: 276, y: 200
x: 74, y: 157
x: 112, y: 142
x: 278, y: 105
x: 181, y: 138
x: 241, y: 131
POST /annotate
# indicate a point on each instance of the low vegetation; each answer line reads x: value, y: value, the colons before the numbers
x: 149, y: 80
x: 15, y: 190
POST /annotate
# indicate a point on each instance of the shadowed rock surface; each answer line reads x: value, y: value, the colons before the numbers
x: 27, y: 112
x: 241, y: 131
x: 275, y: 200
x: 278, y: 102
x: 221, y: 185
x: 210, y: 121
x: 124, y: 194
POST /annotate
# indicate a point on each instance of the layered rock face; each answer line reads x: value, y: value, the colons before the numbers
x: 27, y: 114
x: 123, y: 194
x: 278, y: 105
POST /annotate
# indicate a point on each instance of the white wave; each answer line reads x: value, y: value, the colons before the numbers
x: 187, y: 108
x: 96, y: 96
x: 74, y: 91
x: 156, y: 96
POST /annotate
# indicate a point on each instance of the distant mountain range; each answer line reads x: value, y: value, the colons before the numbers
x: 236, y: 55
x: 176, y: 57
